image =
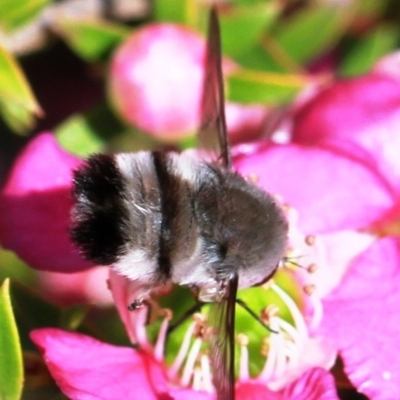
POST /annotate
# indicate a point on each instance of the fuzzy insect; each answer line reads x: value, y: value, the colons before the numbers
x: 161, y: 217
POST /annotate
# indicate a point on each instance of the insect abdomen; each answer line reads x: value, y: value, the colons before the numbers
x: 143, y: 224
x: 100, y: 213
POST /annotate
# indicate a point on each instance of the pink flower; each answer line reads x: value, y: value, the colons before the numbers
x: 334, y: 194
x: 298, y: 174
x: 156, y: 80
x: 85, y: 368
x: 362, y: 318
x: 35, y: 204
x: 360, y: 116
x: 82, y: 287
x: 359, y: 119
x: 156, y: 83
x: 326, y: 185
x: 245, y: 123
x: 22, y: 173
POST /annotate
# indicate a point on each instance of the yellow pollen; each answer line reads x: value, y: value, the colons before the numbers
x: 254, y: 178
x: 242, y: 339
x: 310, y: 240
x: 312, y: 268
x: 309, y: 289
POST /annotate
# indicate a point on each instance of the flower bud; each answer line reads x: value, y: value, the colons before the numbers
x: 156, y: 80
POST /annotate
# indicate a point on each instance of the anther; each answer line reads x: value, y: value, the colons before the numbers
x: 286, y: 208
x: 200, y: 319
x: 269, y: 312
x: 265, y: 344
x: 168, y: 314
x: 267, y: 285
x: 254, y: 178
x: 200, y: 325
x: 312, y: 268
x: 242, y: 339
x: 309, y: 289
x: 310, y: 240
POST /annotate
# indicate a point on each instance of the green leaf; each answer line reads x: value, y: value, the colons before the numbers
x: 307, y: 33
x: 184, y: 12
x: 15, y: 13
x: 257, y: 58
x: 243, y: 26
x: 255, y: 87
x: 18, y: 105
x: 91, y: 39
x: 88, y: 133
x: 367, y: 51
x: 11, y: 371
x: 99, y: 130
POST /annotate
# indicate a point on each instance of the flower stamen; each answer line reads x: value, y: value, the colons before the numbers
x: 274, y: 349
x: 310, y: 240
x: 243, y: 341
x: 207, y: 384
x: 318, y: 310
x: 183, y: 350
x: 294, y: 310
x: 162, y: 335
x: 191, y: 359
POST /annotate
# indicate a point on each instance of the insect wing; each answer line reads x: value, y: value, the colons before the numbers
x: 221, y: 322
x: 213, y: 134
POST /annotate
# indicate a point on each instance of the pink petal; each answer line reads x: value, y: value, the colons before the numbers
x: 156, y: 80
x: 255, y: 391
x: 124, y: 291
x: 188, y: 394
x: 89, y: 286
x: 86, y: 369
x: 35, y: 205
x: 389, y: 65
x: 316, y: 384
x: 336, y: 251
x: 362, y: 316
x: 360, y: 116
x: 330, y: 191
x: 245, y: 122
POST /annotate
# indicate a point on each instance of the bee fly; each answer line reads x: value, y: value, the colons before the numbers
x: 163, y: 217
